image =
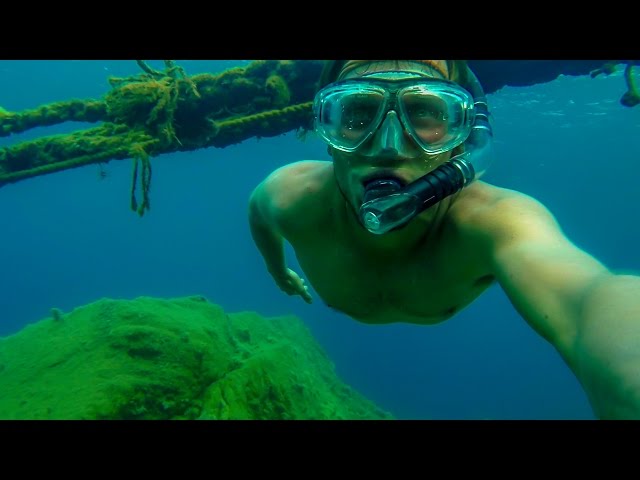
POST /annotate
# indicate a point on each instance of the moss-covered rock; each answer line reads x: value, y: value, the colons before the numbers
x: 183, y: 358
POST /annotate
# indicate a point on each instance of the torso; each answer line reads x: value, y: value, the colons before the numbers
x: 426, y: 286
x: 421, y: 291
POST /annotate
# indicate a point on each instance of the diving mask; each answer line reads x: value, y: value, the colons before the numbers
x: 437, y: 114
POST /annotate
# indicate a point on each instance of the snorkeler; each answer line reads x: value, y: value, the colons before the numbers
x: 399, y: 228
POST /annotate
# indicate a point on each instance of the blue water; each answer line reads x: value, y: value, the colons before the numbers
x: 69, y: 238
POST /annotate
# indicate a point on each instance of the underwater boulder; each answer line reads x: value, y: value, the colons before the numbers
x: 182, y: 358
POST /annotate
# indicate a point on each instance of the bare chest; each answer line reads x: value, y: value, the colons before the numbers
x: 424, y: 289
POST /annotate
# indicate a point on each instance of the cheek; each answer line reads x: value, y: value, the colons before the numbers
x: 432, y: 135
x: 342, y: 163
x: 343, y: 170
x: 431, y: 162
x: 344, y: 176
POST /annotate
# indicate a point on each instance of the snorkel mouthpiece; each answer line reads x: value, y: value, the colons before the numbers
x: 383, y: 214
x: 380, y: 188
x: 383, y: 205
x: 384, y: 209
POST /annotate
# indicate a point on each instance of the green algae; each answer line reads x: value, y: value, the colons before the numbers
x: 182, y: 358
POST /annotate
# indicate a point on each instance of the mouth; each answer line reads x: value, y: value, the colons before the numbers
x: 380, y: 185
x: 368, y: 180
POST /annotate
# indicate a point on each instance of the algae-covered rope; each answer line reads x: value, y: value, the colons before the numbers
x: 61, y: 152
x: 141, y: 157
x: 158, y: 112
x: 68, y: 111
x: 631, y: 98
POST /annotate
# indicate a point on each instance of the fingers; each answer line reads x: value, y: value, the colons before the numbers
x: 294, y: 285
x: 304, y: 293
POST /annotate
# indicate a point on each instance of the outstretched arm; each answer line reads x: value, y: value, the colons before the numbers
x: 589, y: 314
x: 265, y: 230
x: 269, y: 208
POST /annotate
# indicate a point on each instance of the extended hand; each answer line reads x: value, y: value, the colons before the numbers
x: 291, y: 284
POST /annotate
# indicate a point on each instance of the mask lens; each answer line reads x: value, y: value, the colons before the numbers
x: 346, y: 118
x: 359, y: 114
x: 437, y: 119
x: 428, y: 115
x: 437, y: 115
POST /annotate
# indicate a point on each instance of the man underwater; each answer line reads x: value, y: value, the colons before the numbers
x: 398, y: 228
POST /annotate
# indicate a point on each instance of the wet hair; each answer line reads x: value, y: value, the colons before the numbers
x: 457, y: 70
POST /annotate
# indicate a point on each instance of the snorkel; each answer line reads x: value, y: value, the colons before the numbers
x: 387, y: 205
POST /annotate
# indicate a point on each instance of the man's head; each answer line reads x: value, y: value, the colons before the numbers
x: 396, y: 119
x: 454, y: 70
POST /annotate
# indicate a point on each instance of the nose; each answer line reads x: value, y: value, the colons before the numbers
x: 391, y: 135
x: 390, y: 141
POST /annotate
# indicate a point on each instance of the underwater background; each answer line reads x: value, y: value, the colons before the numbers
x: 69, y: 238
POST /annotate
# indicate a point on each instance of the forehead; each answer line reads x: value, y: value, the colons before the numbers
x: 424, y: 68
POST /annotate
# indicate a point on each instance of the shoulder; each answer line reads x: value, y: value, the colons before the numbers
x: 295, y: 186
x: 502, y: 216
x: 295, y: 192
x: 296, y: 180
x: 488, y: 206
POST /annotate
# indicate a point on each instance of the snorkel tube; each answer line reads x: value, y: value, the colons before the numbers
x: 394, y: 206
